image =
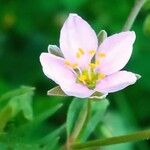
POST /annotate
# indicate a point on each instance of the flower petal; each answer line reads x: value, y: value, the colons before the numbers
x: 77, y: 34
x: 77, y: 90
x: 116, y: 82
x: 118, y: 50
x: 55, y: 69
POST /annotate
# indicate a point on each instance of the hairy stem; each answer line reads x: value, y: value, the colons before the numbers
x: 142, y: 135
x: 133, y: 14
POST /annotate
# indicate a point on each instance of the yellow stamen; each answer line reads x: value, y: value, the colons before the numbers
x: 72, y: 65
x: 75, y: 65
x: 92, y: 65
x: 101, y: 76
x: 92, y: 52
x: 78, y: 55
x: 81, y: 51
x: 102, y: 55
x: 67, y: 62
x: 82, y: 78
x: 97, y: 62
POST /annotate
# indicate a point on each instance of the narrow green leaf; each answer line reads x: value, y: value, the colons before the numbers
x: 20, y: 91
x: 26, y: 106
x: 147, y: 25
x: 19, y: 100
x: 51, y: 136
x: 48, y: 113
x: 98, y: 110
x: 52, y: 145
x: 73, y: 113
x: 5, y: 116
x: 34, y: 124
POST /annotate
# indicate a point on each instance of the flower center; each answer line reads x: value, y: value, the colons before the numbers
x: 87, y: 76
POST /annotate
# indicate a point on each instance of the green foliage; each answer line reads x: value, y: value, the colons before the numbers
x: 26, y: 29
x: 83, y: 116
x: 14, y: 102
x: 73, y: 113
x: 28, y: 134
x: 147, y: 25
x: 97, y: 115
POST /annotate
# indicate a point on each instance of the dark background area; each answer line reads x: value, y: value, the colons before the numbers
x: 26, y: 29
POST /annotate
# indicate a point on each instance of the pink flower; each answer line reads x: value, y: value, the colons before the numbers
x: 86, y: 67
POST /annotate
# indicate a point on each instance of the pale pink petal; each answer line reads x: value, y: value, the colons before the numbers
x: 77, y: 33
x: 118, y: 50
x: 55, y: 69
x: 116, y: 82
x: 77, y: 90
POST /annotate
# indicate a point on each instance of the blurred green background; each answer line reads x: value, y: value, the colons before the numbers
x: 26, y: 29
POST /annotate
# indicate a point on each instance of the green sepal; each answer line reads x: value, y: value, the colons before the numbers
x: 102, y: 35
x: 57, y: 91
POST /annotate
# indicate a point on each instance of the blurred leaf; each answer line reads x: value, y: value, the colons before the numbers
x: 31, y: 136
x: 147, y: 25
x: 47, y: 113
x: 26, y: 106
x: 14, y: 102
x: 51, y: 136
x: 53, y: 145
x: 97, y: 114
x: 17, y: 92
x: 34, y: 127
x: 22, y: 103
x: 73, y: 4
x: 116, y: 125
x: 73, y: 113
x: 98, y: 109
x: 5, y: 115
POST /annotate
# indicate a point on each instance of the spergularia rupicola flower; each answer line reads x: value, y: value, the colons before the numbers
x: 83, y: 67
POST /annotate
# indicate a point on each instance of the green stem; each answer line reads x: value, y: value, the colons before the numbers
x: 133, y: 14
x: 82, y: 121
x: 86, y: 119
x: 80, y: 124
x: 142, y: 135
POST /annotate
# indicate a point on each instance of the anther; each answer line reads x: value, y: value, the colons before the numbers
x: 72, y: 65
x: 92, y: 52
x: 102, y: 55
x: 92, y: 65
x: 97, y: 62
x: 83, y: 78
x: 81, y: 51
x: 66, y: 62
x: 101, y: 76
x: 78, y: 55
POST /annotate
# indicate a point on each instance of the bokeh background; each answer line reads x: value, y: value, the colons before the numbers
x: 28, y: 27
